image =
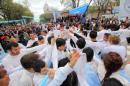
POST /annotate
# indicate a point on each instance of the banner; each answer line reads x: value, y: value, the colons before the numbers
x: 124, y: 9
x: 79, y: 10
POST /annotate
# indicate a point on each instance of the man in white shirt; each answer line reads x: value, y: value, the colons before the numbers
x: 115, y: 47
x: 12, y: 61
x: 32, y: 39
x: 44, y: 33
x: 12, y: 39
x: 90, y: 67
x: 32, y: 64
x: 101, y: 34
x: 105, y: 41
x: 94, y: 44
x: 58, y: 52
x: 46, y: 54
x: 124, y: 34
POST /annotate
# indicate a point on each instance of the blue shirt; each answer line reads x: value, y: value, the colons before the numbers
x: 91, y: 76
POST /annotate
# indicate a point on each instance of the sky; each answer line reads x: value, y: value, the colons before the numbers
x: 36, y: 6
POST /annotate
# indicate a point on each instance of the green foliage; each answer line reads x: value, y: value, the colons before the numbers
x: 92, y: 9
x: 117, y: 2
x: 61, y: 1
x: 46, y: 17
x: 1, y: 19
x: 13, y: 10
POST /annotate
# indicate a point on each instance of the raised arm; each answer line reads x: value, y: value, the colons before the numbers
x: 62, y: 73
x: 34, y: 49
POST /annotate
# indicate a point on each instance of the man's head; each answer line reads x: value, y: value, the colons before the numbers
x: 114, y: 39
x: 32, y: 36
x: 43, y: 33
x: 89, y: 53
x: 62, y: 27
x: 12, y: 39
x: 81, y: 43
x: 106, y: 36
x: 4, y: 78
x: 85, y: 33
x: 111, y: 82
x: 13, y: 48
x: 32, y: 63
x: 60, y: 43
x: 93, y: 34
x: 40, y: 40
x: 50, y: 40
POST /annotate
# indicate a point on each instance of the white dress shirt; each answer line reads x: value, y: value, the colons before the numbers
x: 12, y: 62
x: 21, y: 78
x: 121, y: 50
x: 30, y: 42
x: 101, y: 35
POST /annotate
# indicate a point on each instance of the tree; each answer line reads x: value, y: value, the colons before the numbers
x: 117, y: 2
x: 102, y: 6
x: 72, y: 3
x: 75, y: 3
x: 12, y: 10
x: 46, y: 17
x: 92, y: 9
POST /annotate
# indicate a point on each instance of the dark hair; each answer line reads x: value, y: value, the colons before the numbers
x: 107, y: 34
x: 67, y: 27
x: 89, y: 53
x: 3, y: 72
x: 11, y: 44
x: 31, y: 32
x: 34, y: 44
x: 63, y: 62
x: 40, y: 38
x: 60, y: 42
x: 85, y: 33
x: 49, y: 39
x: 32, y: 61
x: 111, y: 82
x: 72, y: 79
x: 62, y: 25
x: 112, y: 62
x: 72, y: 43
x: 81, y: 43
x: 93, y: 34
x: 44, y: 31
x: 38, y: 65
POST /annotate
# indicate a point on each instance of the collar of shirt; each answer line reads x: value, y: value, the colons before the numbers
x: 29, y: 73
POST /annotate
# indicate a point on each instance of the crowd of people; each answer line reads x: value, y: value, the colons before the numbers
x: 69, y: 52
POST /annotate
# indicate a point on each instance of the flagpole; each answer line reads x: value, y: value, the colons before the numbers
x: 87, y: 7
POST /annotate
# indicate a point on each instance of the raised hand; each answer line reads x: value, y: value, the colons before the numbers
x: 51, y: 73
x: 73, y: 58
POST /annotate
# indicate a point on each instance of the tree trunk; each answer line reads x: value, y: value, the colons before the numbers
x: 78, y: 3
x: 111, y: 7
x: 74, y: 3
x: 99, y: 12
